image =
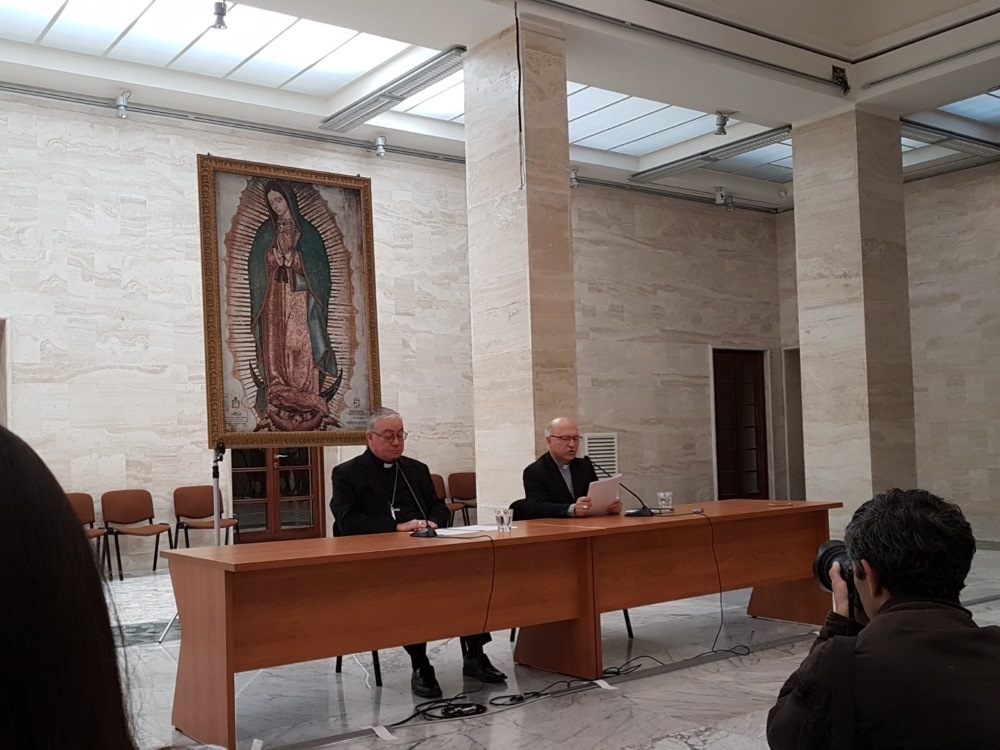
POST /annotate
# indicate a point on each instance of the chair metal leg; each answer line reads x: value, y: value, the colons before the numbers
x: 106, y: 557
x: 227, y: 535
x: 628, y: 624
x: 156, y: 551
x: 236, y: 532
x: 377, y: 669
x: 465, y: 514
x: 118, y: 556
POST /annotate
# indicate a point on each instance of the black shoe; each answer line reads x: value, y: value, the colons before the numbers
x: 424, y: 683
x: 480, y: 668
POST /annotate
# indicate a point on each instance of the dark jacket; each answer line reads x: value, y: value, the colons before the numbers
x: 545, y: 491
x: 925, y: 676
x: 362, y: 496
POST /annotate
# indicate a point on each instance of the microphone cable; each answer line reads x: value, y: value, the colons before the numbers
x: 739, y: 649
x: 458, y: 706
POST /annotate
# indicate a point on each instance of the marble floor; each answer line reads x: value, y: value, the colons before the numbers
x: 681, y: 696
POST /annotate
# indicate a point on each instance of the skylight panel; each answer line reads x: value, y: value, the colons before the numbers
x: 25, y: 20
x: 640, y: 127
x: 458, y: 77
x: 91, y: 26
x: 982, y: 108
x: 912, y: 143
x: 302, y: 44
x: 572, y: 88
x: 670, y: 137
x: 770, y: 172
x: 445, y: 106
x: 589, y: 99
x: 166, y: 28
x: 609, y: 117
x: 349, y: 61
x: 218, y: 52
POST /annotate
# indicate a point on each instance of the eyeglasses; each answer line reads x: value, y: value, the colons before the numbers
x: 391, y: 436
x: 567, y: 438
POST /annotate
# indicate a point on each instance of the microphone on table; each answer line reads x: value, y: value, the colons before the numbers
x: 643, y: 512
x: 428, y: 532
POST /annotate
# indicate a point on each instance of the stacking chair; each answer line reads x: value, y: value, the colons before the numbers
x: 520, y: 514
x: 122, y: 510
x: 376, y: 667
x: 83, y: 506
x: 442, y: 495
x: 463, y: 490
x: 193, y: 509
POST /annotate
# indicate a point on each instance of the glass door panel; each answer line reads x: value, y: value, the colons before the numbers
x: 277, y: 493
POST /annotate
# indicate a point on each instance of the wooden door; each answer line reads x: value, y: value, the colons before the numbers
x: 740, y: 424
x: 278, y: 493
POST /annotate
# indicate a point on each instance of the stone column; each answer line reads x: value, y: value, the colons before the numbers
x: 520, y: 255
x: 854, y: 313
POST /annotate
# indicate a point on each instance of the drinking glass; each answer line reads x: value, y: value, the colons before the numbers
x: 666, y: 501
x: 504, y: 518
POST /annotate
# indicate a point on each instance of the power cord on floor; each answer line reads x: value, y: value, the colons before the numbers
x: 628, y: 667
x: 739, y: 650
x: 444, y: 708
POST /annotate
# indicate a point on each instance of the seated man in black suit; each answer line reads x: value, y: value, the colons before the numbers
x: 383, y: 491
x: 556, y: 485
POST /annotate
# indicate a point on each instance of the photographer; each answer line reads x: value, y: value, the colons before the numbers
x: 921, y: 674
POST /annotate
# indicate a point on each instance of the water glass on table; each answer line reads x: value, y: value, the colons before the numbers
x: 665, y: 501
x: 504, y: 518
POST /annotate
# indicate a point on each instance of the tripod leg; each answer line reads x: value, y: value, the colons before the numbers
x: 169, y: 624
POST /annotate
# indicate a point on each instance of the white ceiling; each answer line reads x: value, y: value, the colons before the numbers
x: 646, y: 76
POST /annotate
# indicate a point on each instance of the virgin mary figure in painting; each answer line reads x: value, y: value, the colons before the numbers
x: 289, y: 270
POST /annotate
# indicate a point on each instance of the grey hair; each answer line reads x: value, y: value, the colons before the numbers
x: 378, y: 415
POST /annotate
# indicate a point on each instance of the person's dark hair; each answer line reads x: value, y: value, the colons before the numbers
x: 920, y: 544
x: 60, y: 684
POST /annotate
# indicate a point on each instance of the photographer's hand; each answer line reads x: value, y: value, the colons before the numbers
x: 840, y: 591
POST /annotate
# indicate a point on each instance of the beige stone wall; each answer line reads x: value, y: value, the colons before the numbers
x: 100, y: 286
x: 952, y: 223
x: 659, y: 283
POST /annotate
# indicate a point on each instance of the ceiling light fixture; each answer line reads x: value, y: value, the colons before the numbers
x: 380, y: 142
x: 574, y: 182
x: 710, y: 157
x: 721, y: 120
x: 385, y: 98
x: 122, y: 104
x: 220, y: 16
x: 720, y: 196
x: 730, y: 206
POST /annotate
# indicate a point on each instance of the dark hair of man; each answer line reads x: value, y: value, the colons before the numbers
x: 60, y: 686
x: 919, y: 544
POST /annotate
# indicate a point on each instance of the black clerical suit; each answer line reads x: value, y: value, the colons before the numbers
x: 545, y: 492
x: 371, y: 497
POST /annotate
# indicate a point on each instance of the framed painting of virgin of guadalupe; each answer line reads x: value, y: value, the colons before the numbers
x: 288, y: 275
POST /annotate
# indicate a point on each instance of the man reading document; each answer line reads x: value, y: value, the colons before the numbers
x: 556, y: 485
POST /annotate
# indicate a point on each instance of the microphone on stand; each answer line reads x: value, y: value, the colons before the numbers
x: 428, y: 532
x: 643, y: 512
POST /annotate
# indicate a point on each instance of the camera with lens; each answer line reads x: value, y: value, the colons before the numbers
x: 830, y: 552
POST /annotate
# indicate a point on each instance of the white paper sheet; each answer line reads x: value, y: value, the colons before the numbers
x: 602, y: 493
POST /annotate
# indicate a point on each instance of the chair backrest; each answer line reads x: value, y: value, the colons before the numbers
x: 194, y: 502
x: 462, y: 485
x: 126, y: 506
x: 439, y: 489
x: 520, y: 509
x: 83, y: 506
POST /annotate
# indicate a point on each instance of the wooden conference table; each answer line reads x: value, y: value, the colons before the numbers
x: 254, y: 606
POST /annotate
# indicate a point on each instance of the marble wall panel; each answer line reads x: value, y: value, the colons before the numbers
x: 659, y: 284
x: 951, y: 226
x: 100, y: 262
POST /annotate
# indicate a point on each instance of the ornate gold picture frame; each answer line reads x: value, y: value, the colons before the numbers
x: 288, y: 278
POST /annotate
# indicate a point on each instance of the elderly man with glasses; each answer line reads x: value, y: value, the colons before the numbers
x: 383, y: 491
x: 556, y: 485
